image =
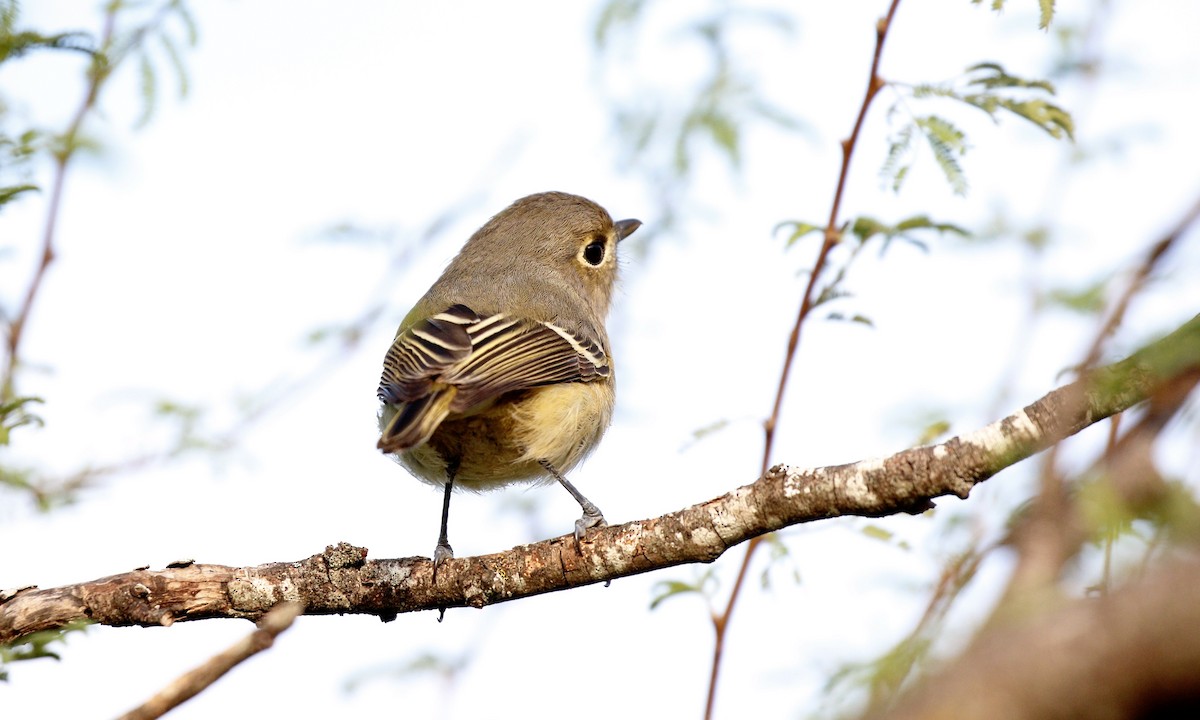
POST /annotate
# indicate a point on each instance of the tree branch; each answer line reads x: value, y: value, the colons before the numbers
x: 341, y: 580
x: 1047, y: 538
x: 1125, y: 655
x: 193, y: 682
x: 831, y: 237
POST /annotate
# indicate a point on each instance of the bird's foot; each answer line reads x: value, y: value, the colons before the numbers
x: 441, y: 554
x: 592, y: 517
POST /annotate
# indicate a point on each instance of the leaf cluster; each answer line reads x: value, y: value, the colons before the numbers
x: 155, y: 42
x: 1045, y: 10
x: 864, y: 229
x: 984, y: 86
x: 36, y: 645
x: 148, y: 31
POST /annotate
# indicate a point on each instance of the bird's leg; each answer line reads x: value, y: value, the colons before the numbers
x: 592, y: 517
x: 443, y: 551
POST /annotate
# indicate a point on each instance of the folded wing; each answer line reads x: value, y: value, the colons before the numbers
x: 456, y: 361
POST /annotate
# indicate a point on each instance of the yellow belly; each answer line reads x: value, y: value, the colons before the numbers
x: 503, y: 443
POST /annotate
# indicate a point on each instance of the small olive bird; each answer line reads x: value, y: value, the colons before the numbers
x: 502, y: 373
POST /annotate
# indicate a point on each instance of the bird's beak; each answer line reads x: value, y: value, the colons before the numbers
x: 625, y: 228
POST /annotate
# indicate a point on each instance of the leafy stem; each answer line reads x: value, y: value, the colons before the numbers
x: 832, y: 236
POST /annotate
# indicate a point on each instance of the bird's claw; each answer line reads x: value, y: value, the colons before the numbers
x: 441, y: 554
x: 588, y: 521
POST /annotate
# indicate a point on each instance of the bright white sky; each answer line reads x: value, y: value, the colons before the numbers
x: 186, y: 270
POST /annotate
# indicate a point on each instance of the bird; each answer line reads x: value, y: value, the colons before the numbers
x: 502, y: 372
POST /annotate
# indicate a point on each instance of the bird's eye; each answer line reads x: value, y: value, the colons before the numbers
x: 594, y: 252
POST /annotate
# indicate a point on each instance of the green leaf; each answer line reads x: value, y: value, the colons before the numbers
x: 923, y: 222
x: 37, y: 645
x: 9, y: 10
x: 15, y: 414
x: 877, y: 533
x: 1088, y: 300
x: 189, y: 22
x: 10, y: 193
x: 829, y: 293
x: 709, y: 429
x: 995, y: 76
x: 865, y: 227
x: 149, y: 89
x: 925, y: 90
x: 856, y: 318
x: 16, y: 44
x: 665, y: 589
x: 947, y: 143
x: 724, y: 133
x: 614, y: 14
x: 14, y: 478
x: 683, y: 159
x: 933, y: 431
x: 799, y: 230
x: 176, y: 60
x: 995, y: 90
x: 1051, y: 118
x: 1047, y: 13
x: 899, y: 149
x: 944, y: 132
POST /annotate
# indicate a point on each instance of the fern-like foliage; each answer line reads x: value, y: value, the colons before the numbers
x: 990, y: 79
x: 1045, y: 10
x: 149, y: 33
x: 156, y: 37
x: 18, y: 147
x: 947, y: 142
x: 984, y: 86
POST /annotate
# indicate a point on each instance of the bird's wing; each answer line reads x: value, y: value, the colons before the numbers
x: 425, y: 351
x: 509, y: 353
x: 457, y: 360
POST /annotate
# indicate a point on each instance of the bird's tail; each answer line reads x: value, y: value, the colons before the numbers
x: 415, y: 421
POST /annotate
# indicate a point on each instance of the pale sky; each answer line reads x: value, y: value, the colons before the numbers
x: 187, y: 269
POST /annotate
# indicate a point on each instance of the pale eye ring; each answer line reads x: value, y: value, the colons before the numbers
x: 593, y: 254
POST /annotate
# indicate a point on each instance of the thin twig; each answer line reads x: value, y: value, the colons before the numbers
x: 193, y: 682
x: 62, y: 157
x: 833, y: 234
x: 907, y: 653
x: 1110, y: 533
x: 104, y: 60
